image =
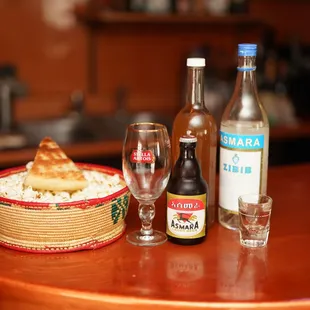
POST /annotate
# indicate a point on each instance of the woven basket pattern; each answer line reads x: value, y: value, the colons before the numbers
x: 64, y: 227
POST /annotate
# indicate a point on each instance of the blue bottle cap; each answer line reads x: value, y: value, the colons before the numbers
x: 247, y: 49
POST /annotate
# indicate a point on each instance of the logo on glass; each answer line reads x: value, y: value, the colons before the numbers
x: 144, y: 157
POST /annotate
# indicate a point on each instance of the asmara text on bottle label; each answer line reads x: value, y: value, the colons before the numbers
x: 241, y: 160
x: 186, y: 216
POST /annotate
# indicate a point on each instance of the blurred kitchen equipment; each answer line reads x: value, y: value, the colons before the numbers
x: 274, y: 81
x: 10, y: 88
x: 137, y: 5
x: 113, y: 127
x: 239, y: 6
x: 298, y: 84
x: 67, y: 129
x: 159, y: 6
x: 121, y: 98
x: 217, y: 7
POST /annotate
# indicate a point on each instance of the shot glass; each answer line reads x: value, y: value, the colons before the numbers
x: 254, y: 219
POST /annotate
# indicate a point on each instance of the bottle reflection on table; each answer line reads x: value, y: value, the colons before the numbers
x: 241, y: 271
x: 185, y: 273
x: 140, y: 274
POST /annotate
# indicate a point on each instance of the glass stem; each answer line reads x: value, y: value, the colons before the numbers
x: 146, y: 214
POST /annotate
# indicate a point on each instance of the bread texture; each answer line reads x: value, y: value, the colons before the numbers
x: 52, y: 170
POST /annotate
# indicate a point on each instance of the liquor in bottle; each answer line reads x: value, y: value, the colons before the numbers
x: 187, y: 197
x: 244, y: 141
x: 195, y: 119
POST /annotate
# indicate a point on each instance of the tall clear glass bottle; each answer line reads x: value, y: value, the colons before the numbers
x: 195, y: 119
x: 244, y: 141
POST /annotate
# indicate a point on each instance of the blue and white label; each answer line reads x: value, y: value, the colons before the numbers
x: 240, y: 167
x: 242, y: 142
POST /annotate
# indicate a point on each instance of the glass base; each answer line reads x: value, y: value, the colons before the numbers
x: 156, y: 238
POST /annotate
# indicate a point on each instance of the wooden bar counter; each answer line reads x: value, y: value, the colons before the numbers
x: 218, y: 274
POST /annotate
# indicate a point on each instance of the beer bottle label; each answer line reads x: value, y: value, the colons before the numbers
x: 186, y: 216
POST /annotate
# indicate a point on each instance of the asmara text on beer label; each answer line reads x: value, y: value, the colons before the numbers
x: 186, y: 216
x: 145, y: 157
x: 240, y: 167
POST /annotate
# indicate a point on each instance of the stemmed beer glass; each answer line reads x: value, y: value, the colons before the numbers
x: 146, y: 167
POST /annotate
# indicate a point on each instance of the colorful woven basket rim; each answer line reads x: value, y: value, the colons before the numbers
x: 92, y: 201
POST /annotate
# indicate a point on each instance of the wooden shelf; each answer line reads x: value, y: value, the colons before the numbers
x: 110, y: 17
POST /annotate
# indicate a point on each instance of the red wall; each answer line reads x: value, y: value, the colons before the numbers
x: 51, y: 54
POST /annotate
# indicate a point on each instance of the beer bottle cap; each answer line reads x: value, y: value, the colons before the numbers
x: 196, y: 62
x: 188, y: 139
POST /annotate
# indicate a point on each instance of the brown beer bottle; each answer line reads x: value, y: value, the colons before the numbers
x: 187, y: 196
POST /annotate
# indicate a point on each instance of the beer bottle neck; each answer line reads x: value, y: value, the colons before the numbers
x: 188, y: 152
x: 195, y: 86
x: 187, y: 165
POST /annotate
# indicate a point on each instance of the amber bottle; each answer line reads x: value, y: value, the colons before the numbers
x: 187, y: 198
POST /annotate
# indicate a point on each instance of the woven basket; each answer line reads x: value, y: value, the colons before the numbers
x: 63, y: 227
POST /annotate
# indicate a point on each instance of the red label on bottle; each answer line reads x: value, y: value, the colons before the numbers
x: 145, y: 157
x: 186, y: 204
x: 186, y: 216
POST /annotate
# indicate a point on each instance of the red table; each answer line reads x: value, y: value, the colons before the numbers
x: 218, y: 274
